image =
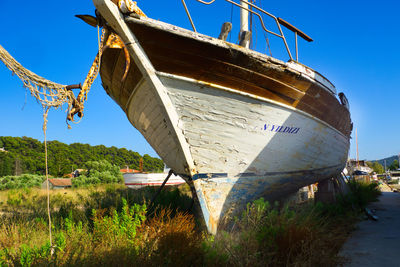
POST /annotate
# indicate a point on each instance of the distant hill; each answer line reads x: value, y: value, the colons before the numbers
x: 26, y: 155
x: 388, y: 160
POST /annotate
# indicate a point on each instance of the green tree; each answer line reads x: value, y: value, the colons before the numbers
x: 99, y: 172
x: 7, y: 165
x: 62, y: 157
x: 151, y: 164
x: 394, y: 165
x: 376, y: 166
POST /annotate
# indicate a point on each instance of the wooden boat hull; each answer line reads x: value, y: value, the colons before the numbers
x: 235, y: 124
x: 243, y: 147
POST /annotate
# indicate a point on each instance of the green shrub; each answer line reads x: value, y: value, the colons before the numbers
x: 356, y: 200
x: 120, y: 225
x: 23, y: 181
x: 98, y: 172
x: 363, y: 193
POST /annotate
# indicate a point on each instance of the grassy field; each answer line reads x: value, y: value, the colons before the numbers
x: 112, y: 225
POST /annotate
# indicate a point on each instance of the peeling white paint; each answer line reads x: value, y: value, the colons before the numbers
x: 225, y: 132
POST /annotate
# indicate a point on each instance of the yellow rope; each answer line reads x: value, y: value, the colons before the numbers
x: 45, y: 113
x: 48, y: 93
x: 53, y: 95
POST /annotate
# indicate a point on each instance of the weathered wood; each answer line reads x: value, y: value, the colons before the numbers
x: 225, y: 30
x: 234, y: 69
x: 254, y: 126
x: 161, y: 188
x: 115, y: 19
x: 245, y: 39
x: 326, y: 192
x: 294, y: 29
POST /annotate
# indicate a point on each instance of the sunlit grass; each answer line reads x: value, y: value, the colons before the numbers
x: 112, y: 225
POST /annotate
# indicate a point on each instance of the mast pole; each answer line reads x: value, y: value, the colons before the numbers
x: 244, y: 19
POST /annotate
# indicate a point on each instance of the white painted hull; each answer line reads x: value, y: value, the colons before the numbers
x: 137, y: 180
x: 243, y: 147
x: 233, y: 133
x: 233, y: 146
x: 228, y: 132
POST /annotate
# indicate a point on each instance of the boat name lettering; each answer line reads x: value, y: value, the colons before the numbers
x: 281, y: 129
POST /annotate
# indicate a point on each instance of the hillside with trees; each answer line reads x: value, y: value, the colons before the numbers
x: 26, y: 155
x: 391, y: 163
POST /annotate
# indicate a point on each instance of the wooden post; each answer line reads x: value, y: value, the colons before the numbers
x: 326, y: 191
x: 329, y: 188
x: 225, y: 30
x: 161, y: 187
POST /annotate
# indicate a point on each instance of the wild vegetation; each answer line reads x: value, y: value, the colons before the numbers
x: 394, y: 166
x: 378, y: 168
x: 96, y: 172
x: 26, y: 155
x: 391, y: 163
x: 111, y: 225
x: 22, y: 181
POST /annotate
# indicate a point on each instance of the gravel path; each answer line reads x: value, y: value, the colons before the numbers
x: 376, y: 243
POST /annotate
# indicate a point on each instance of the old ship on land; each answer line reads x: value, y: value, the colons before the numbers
x: 234, y: 123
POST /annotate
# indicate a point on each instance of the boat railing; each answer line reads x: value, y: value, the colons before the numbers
x: 256, y: 11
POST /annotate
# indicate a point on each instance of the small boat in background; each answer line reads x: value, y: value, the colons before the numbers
x: 142, y: 179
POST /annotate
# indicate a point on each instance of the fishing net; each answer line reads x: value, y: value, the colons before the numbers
x: 53, y: 95
x: 49, y: 94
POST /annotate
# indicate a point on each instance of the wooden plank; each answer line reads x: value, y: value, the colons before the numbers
x: 132, y: 79
x: 117, y: 74
x: 294, y: 29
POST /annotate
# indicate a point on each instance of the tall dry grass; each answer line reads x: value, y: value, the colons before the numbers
x: 112, y: 226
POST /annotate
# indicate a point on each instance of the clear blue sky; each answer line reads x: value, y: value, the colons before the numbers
x: 356, y: 48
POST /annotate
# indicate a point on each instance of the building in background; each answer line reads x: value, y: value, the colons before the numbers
x: 59, y: 183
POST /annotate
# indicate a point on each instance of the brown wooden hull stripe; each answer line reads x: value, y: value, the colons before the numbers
x: 174, y: 54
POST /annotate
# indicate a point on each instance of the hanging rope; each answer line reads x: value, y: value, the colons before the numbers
x: 45, y: 113
x: 53, y: 95
x: 100, y: 39
x: 48, y: 93
x: 269, y: 48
